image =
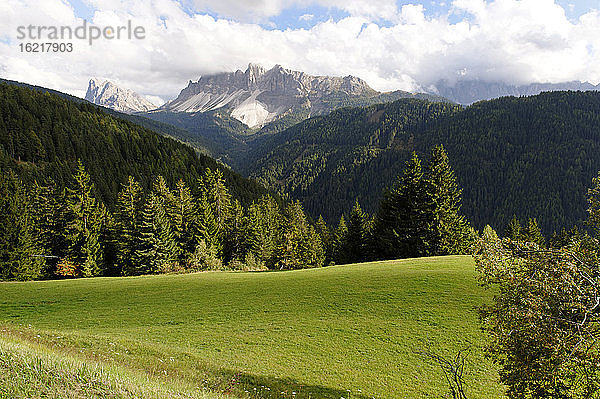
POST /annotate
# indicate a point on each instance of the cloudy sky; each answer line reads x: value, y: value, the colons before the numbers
x: 392, y: 44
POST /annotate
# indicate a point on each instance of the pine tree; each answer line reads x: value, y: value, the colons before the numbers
x: 157, y: 249
x: 533, y: 233
x: 299, y: 245
x: 128, y: 218
x: 49, y: 211
x: 185, y: 216
x: 215, y: 207
x: 234, y: 242
x: 263, y: 230
x: 19, y: 250
x: 402, y: 225
x: 85, y: 217
x: 356, y: 237
x: 339, y: 242
x: 514, y: 229
x: 449, y: 232
x: 326, y: 239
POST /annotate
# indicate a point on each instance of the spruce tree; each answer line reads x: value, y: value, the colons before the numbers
x: 402, y: 225
x: 339, y: 242
x: 449, y: 232
x: 299, y: 245
x: 326, y: 239
x: 157, y: 249
x: 514, y: 229
x: 235, y: 230
x: 214, y: 208
x: 128, y: 218
x: 356, y: 237
x: 185, y: 214
x: 20, y: 253
x: 85, y: 218
x: 533, y: 233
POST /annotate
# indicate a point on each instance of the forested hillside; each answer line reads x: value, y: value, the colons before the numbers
x: 43, y: 136
x: 530, y: 156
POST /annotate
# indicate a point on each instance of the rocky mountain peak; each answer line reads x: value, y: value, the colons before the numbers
x: 107, y: 94
x: 258, y: 96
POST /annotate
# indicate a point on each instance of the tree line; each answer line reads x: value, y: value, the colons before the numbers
x: 47, y: 231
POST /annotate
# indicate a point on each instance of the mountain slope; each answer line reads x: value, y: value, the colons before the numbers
x: 469, y: 91
x: 533, y: 156
x: 109, y: 95
x: 43, y: 135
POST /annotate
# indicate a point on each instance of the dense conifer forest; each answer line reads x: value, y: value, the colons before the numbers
x: 87, y: 194
x: 42, y: 136
x: 532, y: 156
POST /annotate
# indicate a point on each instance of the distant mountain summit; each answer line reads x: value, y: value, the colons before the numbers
x: 469, y: 91
x: 109, y: 95
x: 259, y: 96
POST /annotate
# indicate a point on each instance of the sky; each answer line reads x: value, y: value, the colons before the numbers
x: 391, y: 44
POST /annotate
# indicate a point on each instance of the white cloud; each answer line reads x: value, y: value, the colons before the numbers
x: 306, y: 17
x: 518, y: 41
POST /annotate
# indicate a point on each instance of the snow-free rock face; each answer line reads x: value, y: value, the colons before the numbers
x: 109, y: 95
x: 259, y: 96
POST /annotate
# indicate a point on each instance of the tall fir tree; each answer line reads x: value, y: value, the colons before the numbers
x: 214, y: 208
x: 356, y: 238
x: 157, y: 249
x: 299, y: 245
x: 339, y: 242
x: 20, y: 253
x: 128, y: 219
x: 326, y: 239
x: 402, y: 225
x: 85, y: 218
x: 532, y: 233
x: 449, y: 231
x: 514, y: 229
x: 185, y: 215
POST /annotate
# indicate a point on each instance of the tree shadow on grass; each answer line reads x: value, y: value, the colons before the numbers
x: 228, y: 382
x: 242, y: 384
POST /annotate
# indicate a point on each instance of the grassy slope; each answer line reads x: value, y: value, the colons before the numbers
x: 319, y: 332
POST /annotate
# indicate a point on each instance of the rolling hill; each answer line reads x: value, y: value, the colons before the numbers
x: 344, y: 331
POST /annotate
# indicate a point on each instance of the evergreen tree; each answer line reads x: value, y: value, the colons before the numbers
x: 326, y: 239
x: 532, y: 233
x: 299, y: 245
x: 19, y: 250
x: 185, y: 216
x: 449, y: 232
x: 356, y: 238
x: 215, y: 207
x: 339, y: 242
x: 157, y: 249
x: 263, y: 230
x: 234, y: 242
x: 85, y: 217
x: 128, y: 218
x: 402, y: 225
x: 49, y: 210
x: 514, y: 229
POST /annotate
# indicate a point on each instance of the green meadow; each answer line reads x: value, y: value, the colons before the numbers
x: 351, y: 331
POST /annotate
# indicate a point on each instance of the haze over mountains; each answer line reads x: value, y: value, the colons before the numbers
x: 469, y: 91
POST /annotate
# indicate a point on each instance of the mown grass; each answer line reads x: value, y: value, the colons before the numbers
x: 343, y: 331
